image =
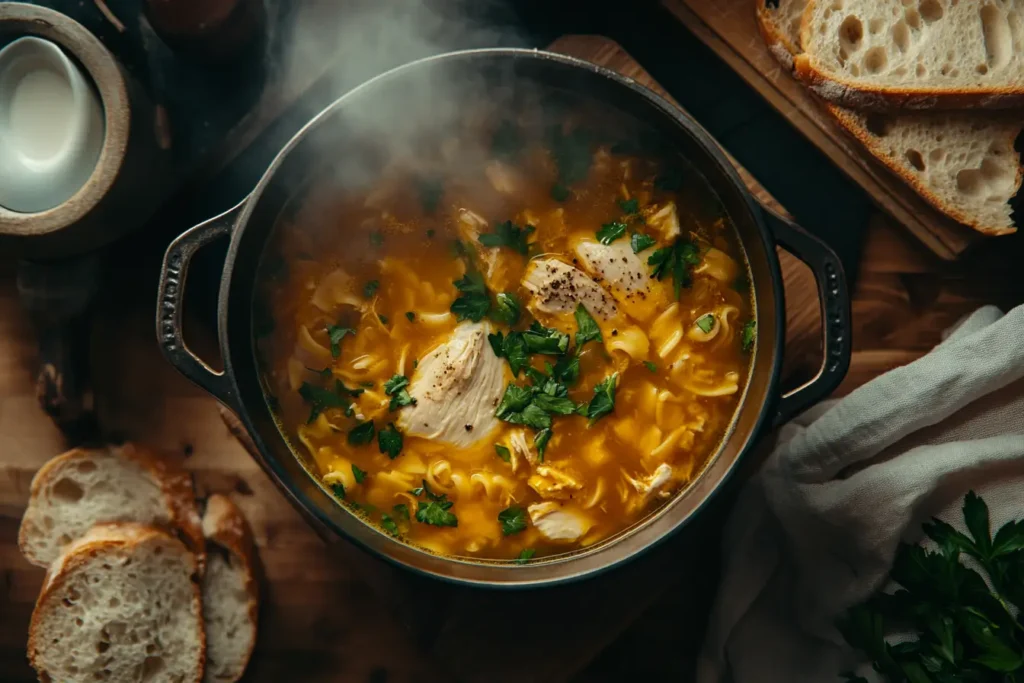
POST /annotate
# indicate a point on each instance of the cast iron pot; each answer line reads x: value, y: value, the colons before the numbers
x: 250, y: 223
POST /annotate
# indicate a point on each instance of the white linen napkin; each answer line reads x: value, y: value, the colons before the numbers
x: 816, y: 530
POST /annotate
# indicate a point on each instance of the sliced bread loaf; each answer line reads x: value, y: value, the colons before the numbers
x: 230, y: 593
x: 121, y: 604
x: 119, y: 483
x: 914, y: 54
x: 962, y: 163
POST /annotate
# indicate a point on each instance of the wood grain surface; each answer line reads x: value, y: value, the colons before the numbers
x: 730, y: 29
x: 330, y: 612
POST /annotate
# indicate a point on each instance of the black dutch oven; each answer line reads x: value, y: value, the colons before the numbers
x: 251, y: 222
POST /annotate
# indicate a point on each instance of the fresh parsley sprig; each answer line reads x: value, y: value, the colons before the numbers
x: 959, y: 628
x: 677, y: 260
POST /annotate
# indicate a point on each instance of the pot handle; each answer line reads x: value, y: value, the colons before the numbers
x: 170, y: 299
x: 834, y: 297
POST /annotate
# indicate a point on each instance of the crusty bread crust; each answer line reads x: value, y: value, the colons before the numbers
x: 853, y: 127
x: 779, y: 44
x: 872, y: 97
x: 78, y: 553
x: 224, y: 525
x: 175, y: 484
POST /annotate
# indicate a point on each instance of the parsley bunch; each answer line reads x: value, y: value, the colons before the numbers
x: 962, y: 630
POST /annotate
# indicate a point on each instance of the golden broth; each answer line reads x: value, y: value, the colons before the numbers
x: 383, y: 265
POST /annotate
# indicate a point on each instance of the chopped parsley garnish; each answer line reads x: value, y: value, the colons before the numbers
x: 359, y: 474
x: 506, y: 308
x: 324, y: 374
x: 389, y: 524
x: 670, y: 180
x: 560, y: 192
x: 603, y: 402
x: 571, y: 154
x: 475, y: 302
x: 362, y: 433
x: 525, y: 555
x: 435, y: 510
x: 370, y: 288
x: 377, y: 238
x: 512, y: 348
x: 410, y: 316
x: 389, y: 441
x: 383, y: 319
x: 748, y: 334
x: 650, y: 366
x: 639, y: 241
x: 401, y: 511
x: 629, y: 206
x: 676, y: 260
x: 706, y: 323
x: 610, y: 232
x: 339, y: 490
x: 540, y: 440
x: 396, y: 389
x: 540, y: 339
x: 320, y: 399
x: 507, y: 141
x: 430, y: 233
x: 567, y: 369
x: 503, y: 452
x: 513, y: 401
x: 335, y: 334
x: 587, y: 327
x: 431, y: 190
x: 509, y: 235
x: 513, y: 520
x: 560, y: 405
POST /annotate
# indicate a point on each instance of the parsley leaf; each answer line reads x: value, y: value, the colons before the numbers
x: 540, y: 440
x: 676, y: 260
x: 430, y: 233
x: 513, y: 520
x: 540, y: 339
x: 650, y: 366
x: 359, y: 474
x: 396, y: 389
x: 603, y: 402
x: 402, y: 511
x: 335, y: 334
x: 610, y: 232
x: 389, y: 524
x: 370, y: 288
x: 533, y: 416
x: 339, y: 490
x: 629, y: 206
x: 506, y: 309
x: 639, y: 241
x: 560, y: 192
x: 435, y: 512
x: 748, y: 334
x: 389, y: 441
x: 503, y: 452
x: 512, y: 348
x: 474, y: 302
x: 514, y: 400
x: 554, y: 404
x: 525, y: 555
x: 321, y: 399
x: 587, y: 329
x: 410, y: 316
x: 362, y: 433
x: 509, y: 235
x: 383, y: 319
x: 706, y: 323
x: 567, y: 369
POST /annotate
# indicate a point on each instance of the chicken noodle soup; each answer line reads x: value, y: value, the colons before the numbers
x: 515, y: 359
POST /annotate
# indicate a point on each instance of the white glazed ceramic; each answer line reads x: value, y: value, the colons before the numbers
x: 51, y: 126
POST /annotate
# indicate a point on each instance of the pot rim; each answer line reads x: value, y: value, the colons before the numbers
x: 524, y: 577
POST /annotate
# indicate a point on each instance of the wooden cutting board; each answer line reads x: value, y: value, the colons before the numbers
x: 330, y: 611
x: 730, y: 29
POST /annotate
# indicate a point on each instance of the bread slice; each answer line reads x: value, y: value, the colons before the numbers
x: 914, y: 54
x: 230, y: 591
x: 120, y: 605
x: 119, y: 483
x: 963, y: 163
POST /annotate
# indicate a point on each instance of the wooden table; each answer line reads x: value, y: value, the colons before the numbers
x: 321, y: 620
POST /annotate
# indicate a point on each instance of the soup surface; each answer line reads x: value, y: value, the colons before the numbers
x: 516, y: 358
